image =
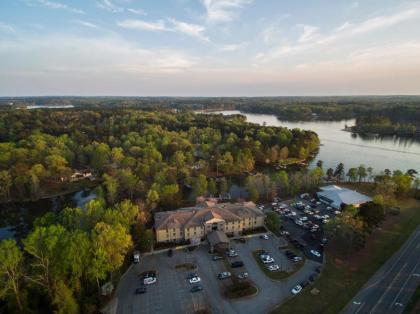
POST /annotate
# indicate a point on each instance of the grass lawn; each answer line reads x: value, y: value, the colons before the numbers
x: 275, y: 275
x: 414, y: 305
x: 340, y: 281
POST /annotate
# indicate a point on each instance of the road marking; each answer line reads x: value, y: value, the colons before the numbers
x: 401, y: 253
x: 405, y: 283
x: 389, y: 287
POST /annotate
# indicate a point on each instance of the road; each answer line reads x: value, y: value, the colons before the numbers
x: 391, y: 288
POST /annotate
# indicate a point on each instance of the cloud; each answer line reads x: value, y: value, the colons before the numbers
x: 72, y: 56
x: 137, y: 11
x: 193, y: 30
x: 108, y: 5
x: 234, y: 47
x: 171, y: 25
x: 223, y: 10
x: 86, y: 24
x: 143, y: 25
x: 311, y: 38
x: 309, y: 33
x: 58, y: 5
x: 6, y: 28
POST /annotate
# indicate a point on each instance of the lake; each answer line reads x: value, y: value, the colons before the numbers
x: 351, y: 149
x: 16, y: 219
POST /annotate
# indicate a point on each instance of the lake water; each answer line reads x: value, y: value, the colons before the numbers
x: 16, y: 219
x: 351, y: 149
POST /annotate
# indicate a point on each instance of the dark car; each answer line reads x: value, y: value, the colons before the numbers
x: 170, y: 252
x: 196, y: 288
x: 237, y: 264
x: 304, y: 283
x: 141, y: 290
x: 318, y: 269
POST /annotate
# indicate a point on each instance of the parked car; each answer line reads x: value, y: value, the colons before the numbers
x: 170, y: 252
x: 264, y: 237
x: 296, y: 289
x: 285, y: 233
x: 316, y: 253
x: 232, y: 253
x: 273, y: 267
x: 297, y: 259
x: 237, y: 264
x: 243, y: 275
x: 149, y: 280
x: 140, y: 290
x: 216, y: 257
x: 224, y: 275
x: 136, y: 257
x: 267, y: 260
x: 242, y: 240
x: 197, y: 288
x: 194, y: 280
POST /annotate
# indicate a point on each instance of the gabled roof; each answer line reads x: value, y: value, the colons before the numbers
x: 197, y: 216
x: 216, y: 237
x: 339, y: 195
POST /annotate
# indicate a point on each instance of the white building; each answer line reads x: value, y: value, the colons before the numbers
x: 337, y: 197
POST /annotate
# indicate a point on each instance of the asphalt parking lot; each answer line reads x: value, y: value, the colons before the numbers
x: 171, y: 293
x: 311, y: 240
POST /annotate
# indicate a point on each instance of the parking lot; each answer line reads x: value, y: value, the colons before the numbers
x: 307, y: 239
x: 171, y: 293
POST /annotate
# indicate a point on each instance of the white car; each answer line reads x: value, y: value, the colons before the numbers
x: 264, y: 237
x: 273, y: 267
x: 194, y: 280
x: 243, y: 275
x: 337, y: 212
x: 293, y: 213
x: 316, y: 253
x: 297, y: 289
x: 285, y: 233
x: 304, y: 218
x: 297, y: 259
x: 298, y: 222
x: 149, y: 280
x: 325, y: 221
x: 267, y: 260
x: 329, y: 208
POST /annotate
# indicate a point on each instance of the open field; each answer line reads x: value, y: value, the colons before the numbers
x: 341, y: 281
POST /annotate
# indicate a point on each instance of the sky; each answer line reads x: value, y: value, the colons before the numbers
x: 209, y: 47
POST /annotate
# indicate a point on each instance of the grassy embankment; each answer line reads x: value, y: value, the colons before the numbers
x: 340, y: 280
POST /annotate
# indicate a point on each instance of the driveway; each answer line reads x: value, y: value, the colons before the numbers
x: 171, y: 294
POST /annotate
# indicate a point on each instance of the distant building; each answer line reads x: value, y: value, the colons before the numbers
x: 196, y: 223
x: 80, y: 175
x: 337, y: 197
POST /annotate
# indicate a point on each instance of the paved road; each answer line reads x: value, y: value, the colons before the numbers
x: 171, y: 294
x: 390, y: 289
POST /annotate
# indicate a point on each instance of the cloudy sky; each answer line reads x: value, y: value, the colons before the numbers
x: 209, y: 47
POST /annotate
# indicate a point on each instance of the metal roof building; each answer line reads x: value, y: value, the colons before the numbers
x: 336, y: 196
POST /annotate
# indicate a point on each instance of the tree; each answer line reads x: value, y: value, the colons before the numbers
x: 5, y: 183
x: 46, y: 245
x: 330, y: 173
x: 352, y: 174
x: 111, y: 186
x: 272, y: 222
x: 339, y: 171
x: 64, y: 301
x: 200, y: 185
x: 319, y: 164
x: 361, y: 172
x: 402, y: 183
x: 369, y: 171
x: 11, y: 270
x: 113, y: 241
x: 212, y: 187
x: 371, y: 213
x: 152, y: 198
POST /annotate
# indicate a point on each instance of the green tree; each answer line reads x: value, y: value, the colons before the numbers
x: 11, y: 271
x: 371, y: 213
x: 361, y: 172
x: 212, y: 187
x: 272, y: 221
x: 200, y: 185
x: 339, y: 171
x: 114, y: 241
x: 64, y: 301
x: 111, y: 185
x: 352, y: 174
x: 5, y: 183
